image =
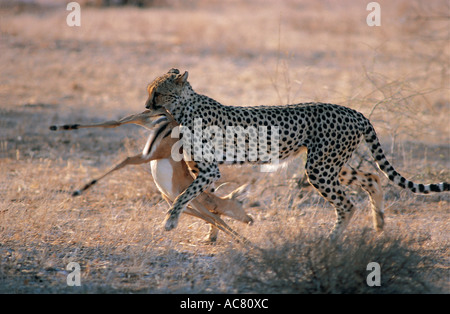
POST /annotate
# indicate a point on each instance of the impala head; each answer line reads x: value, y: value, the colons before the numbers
x: 166, y: 89
x: 233, y: 204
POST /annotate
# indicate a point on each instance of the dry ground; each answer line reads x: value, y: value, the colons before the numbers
x: 252, y: 52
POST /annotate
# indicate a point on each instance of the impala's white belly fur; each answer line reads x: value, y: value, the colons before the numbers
x: 162, y: 173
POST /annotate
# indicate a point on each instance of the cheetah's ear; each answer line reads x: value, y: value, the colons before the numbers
x: 182, y: 79
x: 174, y: 71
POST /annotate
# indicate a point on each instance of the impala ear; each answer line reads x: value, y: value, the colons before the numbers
x: 182, y: 79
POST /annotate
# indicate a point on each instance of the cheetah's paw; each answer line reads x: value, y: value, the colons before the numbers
x: 170, y: 222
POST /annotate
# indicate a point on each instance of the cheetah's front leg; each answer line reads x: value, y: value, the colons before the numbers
x: 208, y: 174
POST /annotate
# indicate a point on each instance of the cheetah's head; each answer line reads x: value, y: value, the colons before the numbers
x: 166, y: 89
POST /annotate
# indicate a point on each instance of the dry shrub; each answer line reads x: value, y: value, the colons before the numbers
x: 312, y: 263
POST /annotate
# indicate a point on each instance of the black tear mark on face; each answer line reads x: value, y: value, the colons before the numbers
x: 154, y: 105
x: 151, y: 102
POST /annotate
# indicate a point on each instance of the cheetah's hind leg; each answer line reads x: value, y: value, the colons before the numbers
x: 370, y: 183
x: 330, y: 189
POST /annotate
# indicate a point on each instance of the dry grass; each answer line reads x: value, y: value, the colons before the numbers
x: 255, y: 52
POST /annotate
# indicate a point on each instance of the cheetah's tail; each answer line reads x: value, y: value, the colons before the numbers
x: 384, y: 165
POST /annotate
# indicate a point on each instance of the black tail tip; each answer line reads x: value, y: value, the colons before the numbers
x: 446, y: 186
x: 76, y: 193
x: 53, y: 128
x: 70, y: 127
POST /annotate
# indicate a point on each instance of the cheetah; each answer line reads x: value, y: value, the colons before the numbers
x: 329, y: 134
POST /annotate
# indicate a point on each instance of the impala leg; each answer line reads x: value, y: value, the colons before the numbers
x: 132, y: 160
x: 146, y: 119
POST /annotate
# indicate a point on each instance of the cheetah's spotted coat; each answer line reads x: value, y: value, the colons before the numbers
x: 329, y: 133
